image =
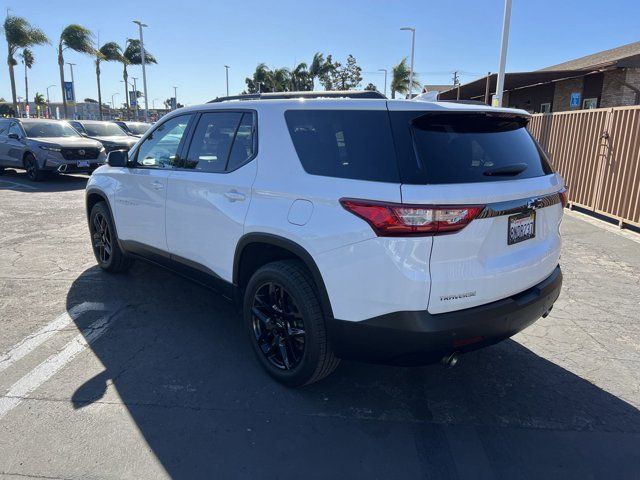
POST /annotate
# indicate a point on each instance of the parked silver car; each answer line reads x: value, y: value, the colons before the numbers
x: 112, y: 136
x: 40, y: 146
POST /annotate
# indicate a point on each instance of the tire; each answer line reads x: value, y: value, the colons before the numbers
x: 33, y: 170
x: 275, y: 317
x: 104, y: 241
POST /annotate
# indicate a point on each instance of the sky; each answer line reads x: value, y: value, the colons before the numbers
x: 194, y: 39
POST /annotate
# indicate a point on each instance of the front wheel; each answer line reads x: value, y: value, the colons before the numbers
x: 285, y: 323
x: 105, y: 242
x: 33, y: 170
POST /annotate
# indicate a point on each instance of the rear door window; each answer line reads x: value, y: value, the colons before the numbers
x: 354, y: 144
x: 436, y: 148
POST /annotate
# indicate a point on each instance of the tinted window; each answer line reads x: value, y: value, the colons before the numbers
x: 138, y: 128
x: 212, y: 141
x: 353, y: 144
x: 160, y: 149
x: 43, y: 129
x: 15, y: 128
x: 105, y: 129
x: 243, y: 145
x: 4, y: 127
x: 467, y: 147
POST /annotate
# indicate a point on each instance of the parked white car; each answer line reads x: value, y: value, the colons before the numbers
x: 395, y: 232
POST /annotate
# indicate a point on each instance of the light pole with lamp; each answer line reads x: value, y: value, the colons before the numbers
x: 175, y: 97
x: 144, y: 72
x: 48, y: 102
x: 385, y: 80
x: 226, y: 67
x: 113, y: 104
x: 413, y: 47
x: 497, y: 99
x: 135, y: 96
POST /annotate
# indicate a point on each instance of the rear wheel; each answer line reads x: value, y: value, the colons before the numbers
x: 286, y: 326
x: 105, y: 242
x: 33, y: 170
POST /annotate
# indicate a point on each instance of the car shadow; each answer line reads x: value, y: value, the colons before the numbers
x: 177, y: 357
x: 52, y: 182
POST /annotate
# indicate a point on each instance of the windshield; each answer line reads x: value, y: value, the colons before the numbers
x: 49, y: 129
x: 138, y: 128
x: 103, y: 129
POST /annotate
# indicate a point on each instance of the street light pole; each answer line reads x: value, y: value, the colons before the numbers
x: 175, y: 97
x: 226, y: 67
x: 413, y: 47
x: 73, y: 89
x: 497, y: 102
x: 144, y: 72
x: 48, y: 102
x: 385, y: 80
x: 113, y: 104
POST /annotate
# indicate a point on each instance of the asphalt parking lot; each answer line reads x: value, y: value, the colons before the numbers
x: 147, y: 375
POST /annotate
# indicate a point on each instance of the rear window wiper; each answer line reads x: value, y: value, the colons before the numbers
x: 507, y: 170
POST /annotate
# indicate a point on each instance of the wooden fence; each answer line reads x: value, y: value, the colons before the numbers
x: 598, y: 154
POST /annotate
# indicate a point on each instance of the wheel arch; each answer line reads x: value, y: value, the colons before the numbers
x: 93, y: 196
x: 257, y: 249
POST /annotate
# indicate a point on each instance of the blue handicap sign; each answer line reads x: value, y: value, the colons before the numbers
x: 68, y: 92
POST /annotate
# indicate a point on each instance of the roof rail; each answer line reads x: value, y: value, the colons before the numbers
x: 313, y: 94
x: 465, y: 102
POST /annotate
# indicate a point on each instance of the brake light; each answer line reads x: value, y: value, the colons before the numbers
x: 564, y: 196
x: 398, y: 220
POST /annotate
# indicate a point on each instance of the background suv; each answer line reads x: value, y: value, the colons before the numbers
x: 397, y: 232
x: 41, y: 146
x: 109, y: 134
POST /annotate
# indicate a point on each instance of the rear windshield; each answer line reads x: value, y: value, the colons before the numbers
x: 354, y: 144
x: 105, y: 129
x: 415, y: 147
x: 465, y: 147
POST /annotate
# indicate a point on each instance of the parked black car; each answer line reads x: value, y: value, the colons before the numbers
x: 108, y: 133
x: 137, y: 129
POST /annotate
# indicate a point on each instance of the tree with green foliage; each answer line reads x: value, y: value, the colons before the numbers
x: 133, y: 56
x: 109, y: 52
x: 400, y: 79
x: 318, y: 68
x: 77, y: 38
x: 371, y: 87
x: 19, y: 33
x: 28, y: 61
x: 341, y: 77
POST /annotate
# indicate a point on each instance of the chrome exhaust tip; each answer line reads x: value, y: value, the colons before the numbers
x: 450, y: 361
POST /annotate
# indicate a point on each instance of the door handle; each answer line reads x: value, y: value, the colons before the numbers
x: 234, y: 196
x: 157, y: 185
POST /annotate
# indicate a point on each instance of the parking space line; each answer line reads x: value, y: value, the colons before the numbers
x: 33, y: 341
x: 18, y: 185
x: 43, y: 372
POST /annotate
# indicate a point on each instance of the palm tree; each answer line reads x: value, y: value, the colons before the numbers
x: 300, y: 78
x: 27, y: 60
x: 133, y: 56
x: 281, y: 79
x: 109, y: 52
x: 40, y: 101
x: 77, y: 38
x: 400, y: 79
x: 19, y: 34
x: 319, y: 67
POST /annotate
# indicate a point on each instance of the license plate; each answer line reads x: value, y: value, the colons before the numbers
x: 83, y: 163
x: 521, y: 227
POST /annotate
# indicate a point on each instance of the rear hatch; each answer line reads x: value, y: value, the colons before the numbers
x: 463, y: 155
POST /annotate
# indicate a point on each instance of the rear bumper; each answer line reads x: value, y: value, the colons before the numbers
x: 418, y: 337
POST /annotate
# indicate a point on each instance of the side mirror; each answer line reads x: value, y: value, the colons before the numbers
x: 14, y: 136
x: 118, y: 158
x: 83, y: 134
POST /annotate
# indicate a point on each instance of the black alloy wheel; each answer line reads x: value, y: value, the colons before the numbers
x: 102, y: 239
x: 278, y: 326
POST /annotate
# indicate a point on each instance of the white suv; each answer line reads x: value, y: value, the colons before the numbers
x: 397, y: 232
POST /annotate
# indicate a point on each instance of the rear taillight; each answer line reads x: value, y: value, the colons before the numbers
x: 398, y: 220
x: 564, y: 196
